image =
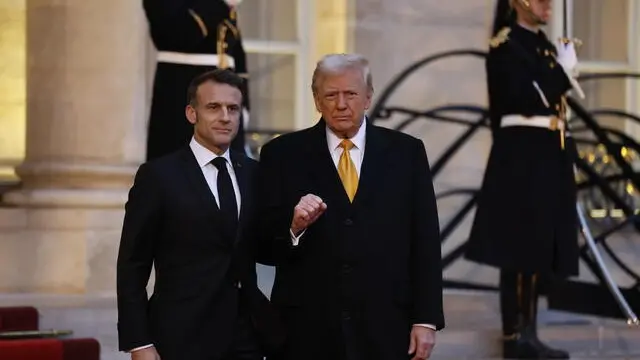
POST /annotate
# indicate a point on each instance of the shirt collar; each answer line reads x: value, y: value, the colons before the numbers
x: 203, y: 155
x: 358, y: 139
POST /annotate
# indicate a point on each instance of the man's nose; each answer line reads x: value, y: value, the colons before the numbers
x: 225, y: 114
x: 342, y: 102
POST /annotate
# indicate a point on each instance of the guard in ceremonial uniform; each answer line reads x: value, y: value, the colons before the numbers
x: 525, y: 223
x: 191, y: 36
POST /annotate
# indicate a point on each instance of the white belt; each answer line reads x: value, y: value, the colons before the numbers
x: 194, y: 59
x: 547, y: 122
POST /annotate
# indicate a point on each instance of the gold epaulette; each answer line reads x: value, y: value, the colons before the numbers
x: 501, y: 37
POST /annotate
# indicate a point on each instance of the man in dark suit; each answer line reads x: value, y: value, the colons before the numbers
x: 187, y: 214
x: 348, y: 217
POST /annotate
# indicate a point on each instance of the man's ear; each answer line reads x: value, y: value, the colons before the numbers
x: 190, y: 112
x: 316, y: 101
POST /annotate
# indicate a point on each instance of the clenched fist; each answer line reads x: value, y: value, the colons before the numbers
x: 308, y: 210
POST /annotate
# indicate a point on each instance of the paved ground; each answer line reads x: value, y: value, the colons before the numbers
x: 472, y: 327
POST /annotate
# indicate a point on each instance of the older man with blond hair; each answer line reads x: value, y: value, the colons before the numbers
x: 348, y: 216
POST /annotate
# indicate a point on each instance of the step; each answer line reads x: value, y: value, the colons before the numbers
x: 473, y: 331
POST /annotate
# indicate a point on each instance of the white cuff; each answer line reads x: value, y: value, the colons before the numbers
x: 427, y: 326
x: 296, y: 239
x: 140, y: 348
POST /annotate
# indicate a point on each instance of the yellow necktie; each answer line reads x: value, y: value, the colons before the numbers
x: 347, y: 170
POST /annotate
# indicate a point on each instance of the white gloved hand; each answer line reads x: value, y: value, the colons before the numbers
x: 233, y: 3
x: 567, y: 57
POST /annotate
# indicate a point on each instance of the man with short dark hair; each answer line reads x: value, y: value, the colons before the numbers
x: 187, y: 214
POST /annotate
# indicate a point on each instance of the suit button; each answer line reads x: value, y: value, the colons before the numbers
x: 346, y: 269
x: 346, y: 315
x: 348, y: 222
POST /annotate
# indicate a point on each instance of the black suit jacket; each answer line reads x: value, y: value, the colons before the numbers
x: 375, y: 262
x: 172, y: 222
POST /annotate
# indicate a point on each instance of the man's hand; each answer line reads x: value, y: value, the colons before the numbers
x: 149, y: 353
x: 308, y: 210
x: 422, y: 341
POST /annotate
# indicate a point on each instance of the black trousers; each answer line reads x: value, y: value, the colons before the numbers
x: 245, y: 345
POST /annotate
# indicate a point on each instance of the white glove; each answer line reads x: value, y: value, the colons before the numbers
x: 567, y: 57
x: 233, y: 3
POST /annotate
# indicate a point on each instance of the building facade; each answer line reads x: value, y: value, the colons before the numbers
x: 75, y: 91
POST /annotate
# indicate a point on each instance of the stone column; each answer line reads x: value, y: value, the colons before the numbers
x: 12, y: 83
x: 86, y: 116
x: 86, y: 102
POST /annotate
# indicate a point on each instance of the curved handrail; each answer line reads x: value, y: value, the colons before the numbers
x: 386, y: 93
x: 610, y: 75
x: 454, y: 192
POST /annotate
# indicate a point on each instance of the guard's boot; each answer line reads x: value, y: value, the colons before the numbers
x: 526, y: 345
x: 518, y: 304
x: 513, y: 346
x: 522, y: 345
x: 546, y: 351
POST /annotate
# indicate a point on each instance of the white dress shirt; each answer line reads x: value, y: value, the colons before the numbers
x: 357, y: 151
x: 204, y: 157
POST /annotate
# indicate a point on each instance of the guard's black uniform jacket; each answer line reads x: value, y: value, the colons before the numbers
x: 193, y: 27
x: 526, y: 220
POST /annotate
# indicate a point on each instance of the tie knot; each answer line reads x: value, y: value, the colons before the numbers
x: 346, y: 144
x: 220, y: 163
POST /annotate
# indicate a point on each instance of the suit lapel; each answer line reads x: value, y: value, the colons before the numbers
x: 373, y: 164
x: 199, y: 184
